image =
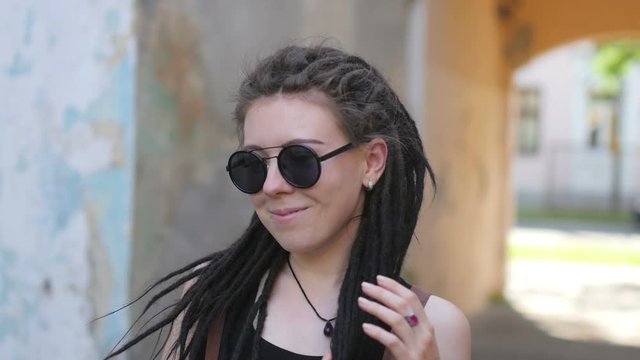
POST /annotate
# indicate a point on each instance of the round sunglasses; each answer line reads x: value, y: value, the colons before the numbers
x: 299, y: 165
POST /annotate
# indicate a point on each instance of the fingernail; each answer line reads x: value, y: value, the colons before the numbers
x: 381, y: 277
x: 366, y: 284
x: 362, y: 300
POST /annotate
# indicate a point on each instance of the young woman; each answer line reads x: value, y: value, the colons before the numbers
x: 334, y: 167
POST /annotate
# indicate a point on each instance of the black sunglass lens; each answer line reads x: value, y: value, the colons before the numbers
x: 299, y: 166
x: 247, y: 171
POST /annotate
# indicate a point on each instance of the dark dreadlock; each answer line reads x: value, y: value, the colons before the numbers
x: 368, y: 108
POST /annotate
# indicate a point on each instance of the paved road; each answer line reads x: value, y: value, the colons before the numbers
x: 561, y: 310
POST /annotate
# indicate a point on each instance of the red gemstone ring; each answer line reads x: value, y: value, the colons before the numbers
x: 412, y: 320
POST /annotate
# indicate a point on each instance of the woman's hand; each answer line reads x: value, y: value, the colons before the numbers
x: 411, y: 336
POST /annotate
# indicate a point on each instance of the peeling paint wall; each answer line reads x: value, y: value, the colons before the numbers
x: 66, y: 169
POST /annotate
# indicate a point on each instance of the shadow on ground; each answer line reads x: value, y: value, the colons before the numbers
x: 500, y: 333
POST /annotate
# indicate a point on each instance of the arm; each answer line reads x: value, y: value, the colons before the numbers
x: 451, y: 329
x: 174, y: 332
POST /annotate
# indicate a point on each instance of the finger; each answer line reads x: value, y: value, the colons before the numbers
x: 392, y: 318
x: 399, y: 289
x: 388, y: 298
x: 389, y: 340
x: 327, y: 356
x: 408, y: 295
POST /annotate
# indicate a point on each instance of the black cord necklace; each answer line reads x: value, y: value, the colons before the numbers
x: 328, y: 328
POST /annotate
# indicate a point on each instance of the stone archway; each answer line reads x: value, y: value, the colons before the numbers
x: 472, y: 48
x: 530, y: 28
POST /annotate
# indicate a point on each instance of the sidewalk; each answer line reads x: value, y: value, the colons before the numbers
x: 500, y: 333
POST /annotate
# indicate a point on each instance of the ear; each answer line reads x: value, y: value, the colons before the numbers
x: 376, y: 160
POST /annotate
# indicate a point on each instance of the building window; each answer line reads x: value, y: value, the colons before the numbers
x: 601, y: 121
x: 529, y: 120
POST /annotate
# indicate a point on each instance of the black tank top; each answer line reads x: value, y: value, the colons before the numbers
x: 267, y: 351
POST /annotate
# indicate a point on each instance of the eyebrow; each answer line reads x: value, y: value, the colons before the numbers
x: 252, y: 147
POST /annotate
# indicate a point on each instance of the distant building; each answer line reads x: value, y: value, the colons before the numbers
x: 575, y: 149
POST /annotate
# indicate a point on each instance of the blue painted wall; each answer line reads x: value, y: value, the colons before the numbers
x: 67, y: 77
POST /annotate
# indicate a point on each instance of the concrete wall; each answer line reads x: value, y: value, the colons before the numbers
x: 66, y: 168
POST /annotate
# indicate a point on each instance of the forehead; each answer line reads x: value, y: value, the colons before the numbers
x: 280, y: 118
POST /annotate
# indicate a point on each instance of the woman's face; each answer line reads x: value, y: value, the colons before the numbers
x: 317, y: 218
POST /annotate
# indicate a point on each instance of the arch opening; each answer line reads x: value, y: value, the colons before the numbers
x: 575, y: 248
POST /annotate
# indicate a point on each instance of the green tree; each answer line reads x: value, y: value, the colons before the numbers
x: 611, y: 63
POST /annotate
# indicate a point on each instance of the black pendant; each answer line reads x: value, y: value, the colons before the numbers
x: 328, y: 329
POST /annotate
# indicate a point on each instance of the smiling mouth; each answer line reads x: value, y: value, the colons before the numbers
x: 286, y: 212
x: 286, y: 215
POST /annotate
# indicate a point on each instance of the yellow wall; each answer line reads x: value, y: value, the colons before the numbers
x: 462, y: 233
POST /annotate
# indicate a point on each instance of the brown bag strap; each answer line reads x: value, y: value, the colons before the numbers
x: 215, y: 333
x: 214, y: 339
x: 421, y: 294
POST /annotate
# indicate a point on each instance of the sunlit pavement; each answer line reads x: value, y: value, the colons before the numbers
x: 564, y: 310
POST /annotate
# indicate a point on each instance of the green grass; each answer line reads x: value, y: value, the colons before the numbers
x: 580, y: 253
x: 603, y: 217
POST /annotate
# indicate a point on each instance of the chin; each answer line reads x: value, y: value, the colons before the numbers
x: 296, y: 244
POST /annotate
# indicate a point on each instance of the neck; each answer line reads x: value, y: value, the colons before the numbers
x: 327, y: 274
x: 324, y: 267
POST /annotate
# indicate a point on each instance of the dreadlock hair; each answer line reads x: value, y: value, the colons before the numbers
x: 367, y: 108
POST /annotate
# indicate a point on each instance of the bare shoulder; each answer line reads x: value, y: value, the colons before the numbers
x: 174, y: 332
x: 451, y: 328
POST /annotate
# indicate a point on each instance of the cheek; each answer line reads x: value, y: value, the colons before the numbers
x: 258, y: 202
x: 255, y: 200
x: 259, y: 205
x: 342, y: 193
x: 346, y: 179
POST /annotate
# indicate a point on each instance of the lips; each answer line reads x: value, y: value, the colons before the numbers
x: 284, y: 212
x: 286, y: 215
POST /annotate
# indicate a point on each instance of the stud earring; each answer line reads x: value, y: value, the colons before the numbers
x: 370, y: 185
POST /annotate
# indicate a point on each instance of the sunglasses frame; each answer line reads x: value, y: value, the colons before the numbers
x: 265, y: 167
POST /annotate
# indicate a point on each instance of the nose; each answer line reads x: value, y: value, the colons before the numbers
x: 275, y: 184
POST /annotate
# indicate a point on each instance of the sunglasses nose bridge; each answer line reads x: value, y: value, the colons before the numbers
x: 274, y: 181
x: 267, y: 160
